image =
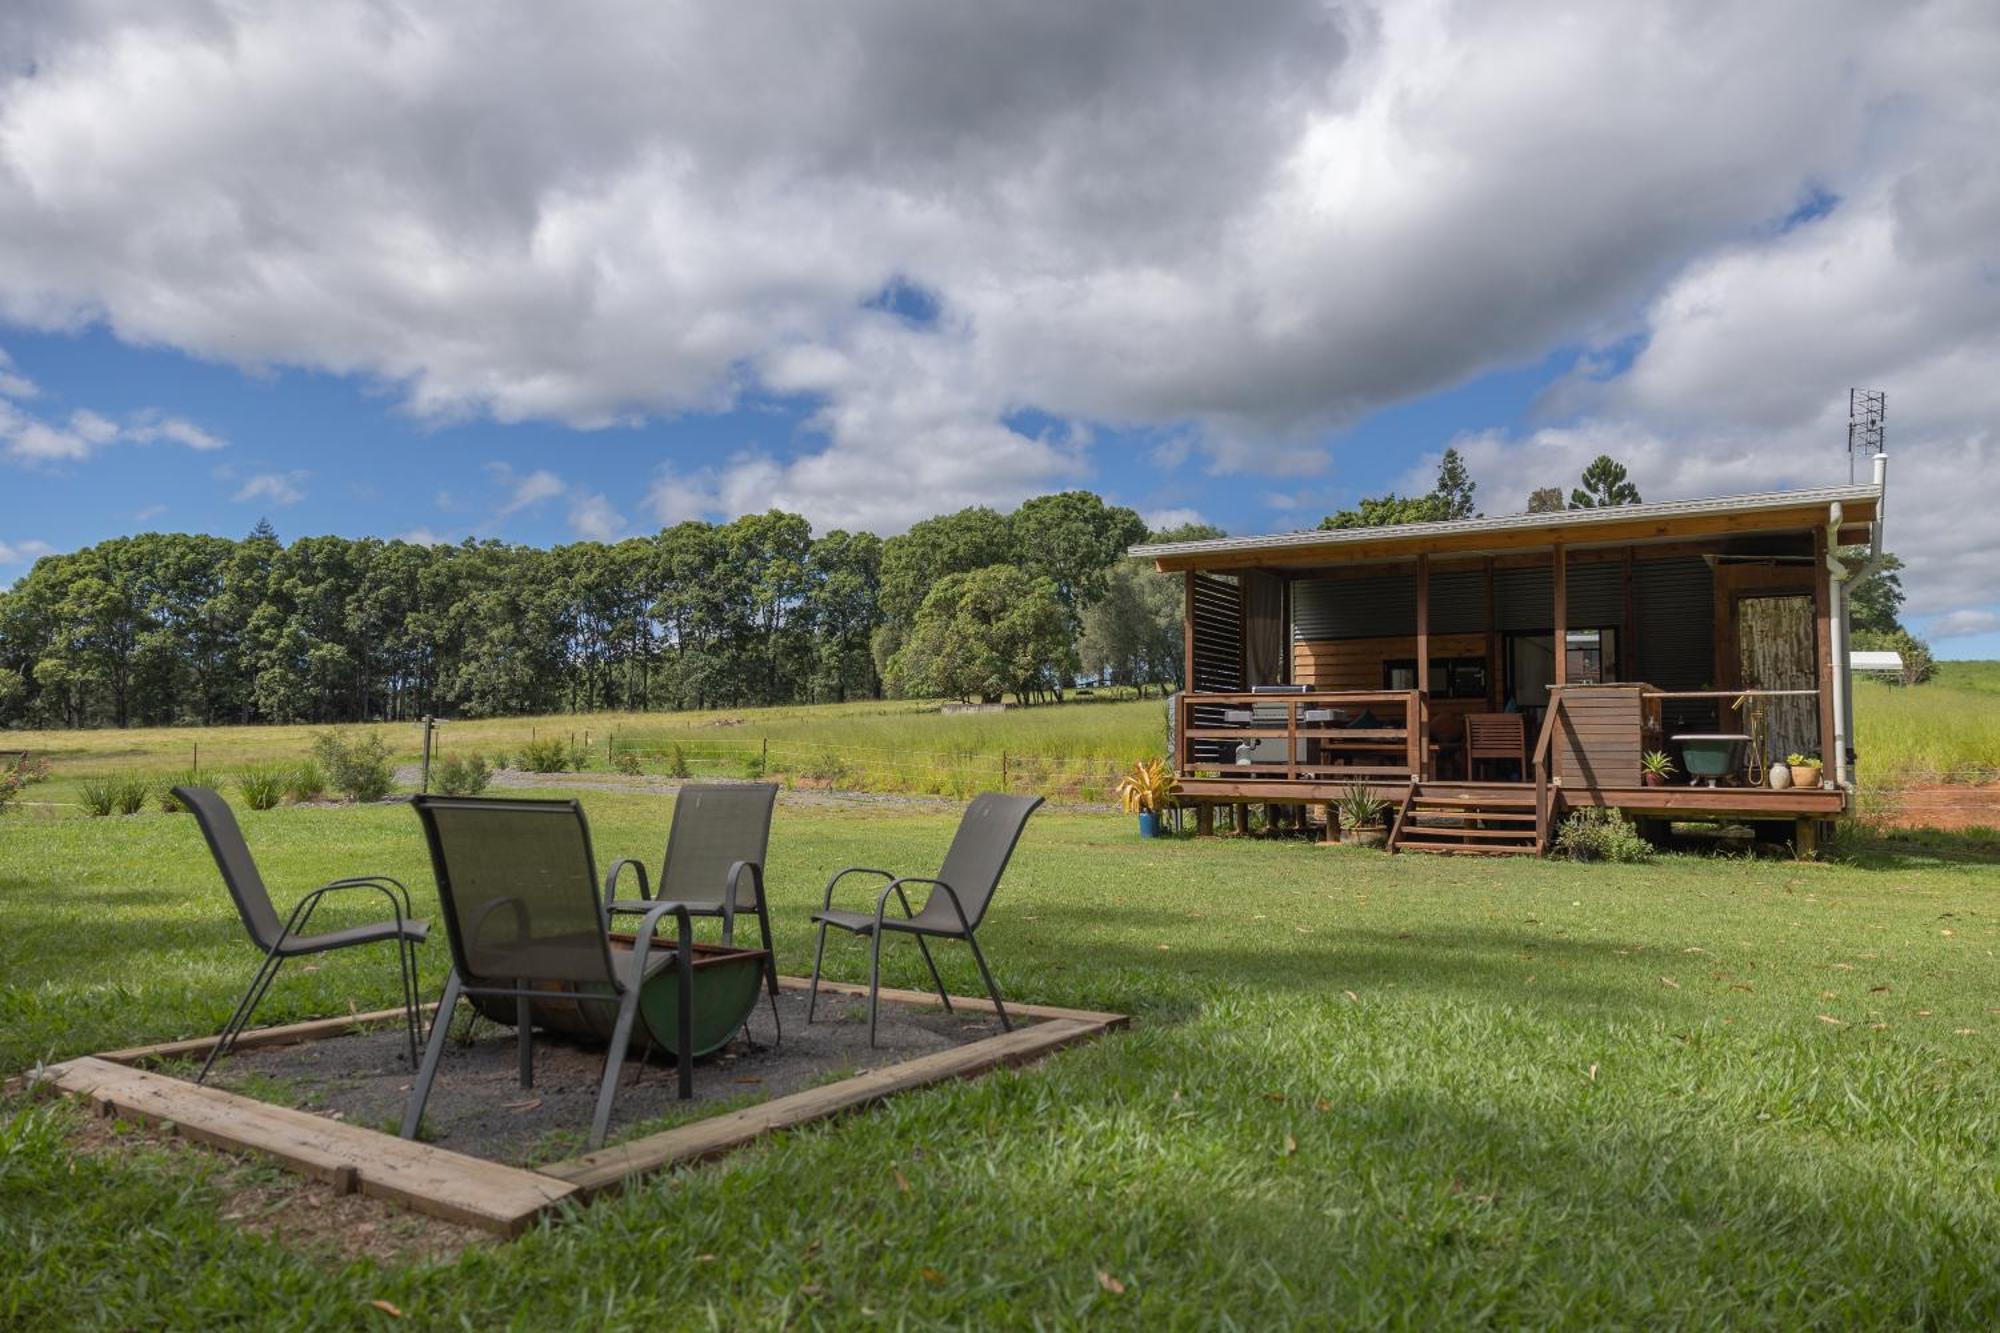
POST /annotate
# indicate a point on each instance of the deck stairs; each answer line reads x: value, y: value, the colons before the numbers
x: 1468, y: 819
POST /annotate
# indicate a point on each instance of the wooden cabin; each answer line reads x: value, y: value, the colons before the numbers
x: 1487, y: 675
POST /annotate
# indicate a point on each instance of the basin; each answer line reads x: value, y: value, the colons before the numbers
x: 726, y: 981
x: 1709, y: 755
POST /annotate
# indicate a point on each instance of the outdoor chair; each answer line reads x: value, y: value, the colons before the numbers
x: 1494, y: 737
x: 716, y: 847
x: 957, y: 903
x: 285, y: 939
x: 517, y: 888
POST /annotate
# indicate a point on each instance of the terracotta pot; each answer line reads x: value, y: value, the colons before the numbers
x: 1805, y: 775
x: 1653, y: 779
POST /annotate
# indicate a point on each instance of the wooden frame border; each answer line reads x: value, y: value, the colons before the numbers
x: 491, y: 1196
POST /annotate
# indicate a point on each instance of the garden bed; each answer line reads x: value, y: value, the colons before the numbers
x: 324, y: 1098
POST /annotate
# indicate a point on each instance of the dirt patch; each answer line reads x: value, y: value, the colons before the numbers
x: 302, y: 1215
x: 478, y: 1107
x: 1949, y: 806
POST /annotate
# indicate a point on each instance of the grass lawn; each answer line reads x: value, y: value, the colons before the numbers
x: 1359, y: 1090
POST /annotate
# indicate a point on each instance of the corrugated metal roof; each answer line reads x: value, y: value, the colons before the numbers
x: 1559, y: 519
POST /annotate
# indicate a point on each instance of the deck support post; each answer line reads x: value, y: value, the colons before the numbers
x: 1239, y: 817
x: 1559, y: 563
x: 1420, y: 722
x: 1806, y: 838
x: 1332, y: 837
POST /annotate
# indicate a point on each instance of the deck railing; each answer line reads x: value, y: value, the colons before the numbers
x: 1316, y: 732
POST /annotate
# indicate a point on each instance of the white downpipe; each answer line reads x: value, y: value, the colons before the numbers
x: 1840, y: 574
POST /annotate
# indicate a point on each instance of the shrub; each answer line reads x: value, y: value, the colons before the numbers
x: 169, y: 803
x: 30, y: 769
x: 753, y: 766
x: 263, y: 786
x: 307, y: 783
x: 579, y: 756
x: 465, y: 776
x: 95, y: 796
x: 10, y: 787
x: 358, y: 768
x: 626, y: 762
x: 677, y: 761
x: 1359, y: 808
x: 827, y: 767
x: 1599, y: 833
x: 129, y: 794
x: 550, y: 755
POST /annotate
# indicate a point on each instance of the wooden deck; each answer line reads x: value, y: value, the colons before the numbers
x: 1672, y: 802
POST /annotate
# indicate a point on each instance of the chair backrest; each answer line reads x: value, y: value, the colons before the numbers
x: 232, y: 858
x: 716, y: 824
x: 979, y: 851
x: 518, y: 888
x: 1494, y: 736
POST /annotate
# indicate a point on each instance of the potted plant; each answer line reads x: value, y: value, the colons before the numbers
x: 1805, y: 769
x: 1655, y: 768
x: 1361, y: 817
x: 1148, y: 789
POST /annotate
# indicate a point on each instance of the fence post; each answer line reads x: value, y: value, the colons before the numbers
x: 425, y: 784
x: 1003, y: 770
x: 195, y: 766
x: 764, y: 753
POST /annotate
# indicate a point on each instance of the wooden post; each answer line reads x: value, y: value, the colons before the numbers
x: 1494, y: 686
x: 1559, y: 562
x: 1003, y: 770
x: 1823, y: 647
x: 1204, y: 820
x: 1187, y: 632
x: 1807, y: 838
x: 195, y: 765
x: 425, y: 784
x: 1628, y: 649
x: 1420, y: 724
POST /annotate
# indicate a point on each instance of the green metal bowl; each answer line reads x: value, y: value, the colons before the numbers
x: 726, y: 981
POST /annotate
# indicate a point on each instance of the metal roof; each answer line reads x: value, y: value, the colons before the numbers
x: 1567, y: 519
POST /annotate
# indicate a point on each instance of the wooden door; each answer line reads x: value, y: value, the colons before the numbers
x: 1774, y: 644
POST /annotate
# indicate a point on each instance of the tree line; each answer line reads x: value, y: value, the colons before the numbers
x: 165, y: 628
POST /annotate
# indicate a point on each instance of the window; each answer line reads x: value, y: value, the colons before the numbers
x: 1451, y: 677
x: 1590, y: 658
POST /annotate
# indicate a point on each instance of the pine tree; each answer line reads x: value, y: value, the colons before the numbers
x: 1604, y: 485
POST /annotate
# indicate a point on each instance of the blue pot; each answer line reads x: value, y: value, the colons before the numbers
x: 1149, y: 824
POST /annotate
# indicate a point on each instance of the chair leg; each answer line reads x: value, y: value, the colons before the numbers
x: 991, y: 989
x: 614, y: 1059
x: 874, y: 982
x: 819, y: 951
x: 524, y: 1037
x: 406, y: 964
x: 770, y: 971
x: 420, y: 1091
x: 260, y: 984
x: 936, y: 980
x: 684, y: 1020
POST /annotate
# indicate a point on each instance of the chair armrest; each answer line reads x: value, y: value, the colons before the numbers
x: 374, y: 879
x: 306, y: 906
x: 734, y: 878
x: 611, y: 883
x: 684, y: 942
x: 843, y: 874
x: 949, y: 892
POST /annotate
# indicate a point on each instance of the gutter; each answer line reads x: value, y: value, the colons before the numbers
x: 1840, y: 575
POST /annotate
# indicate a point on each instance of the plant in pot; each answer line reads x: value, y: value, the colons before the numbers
x: 1655, y: 768
x: 1805, y: 769
x: 1362, y: 817
x: 1147, y: 790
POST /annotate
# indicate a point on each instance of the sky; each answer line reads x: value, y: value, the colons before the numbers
x: 465, y: 268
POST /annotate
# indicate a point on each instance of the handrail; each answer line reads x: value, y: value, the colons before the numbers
x: 1540, y: 763
x: 1728, y: 694
x: 1408, y: 737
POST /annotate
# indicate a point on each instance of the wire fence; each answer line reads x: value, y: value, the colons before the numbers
x: 953, y: 773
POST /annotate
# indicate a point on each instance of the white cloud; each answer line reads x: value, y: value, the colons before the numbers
x: 24, y: 552
x: 1958, y: 624
x: 149, y: 513
x: 31, y: 439
x: 422, y: 536
x: 279, y: 488
x: 1159, y: 519
x: 592, y: 517
x: 523, y: 490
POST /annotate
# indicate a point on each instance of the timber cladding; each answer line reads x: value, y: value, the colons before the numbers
x: 1598, y: 735
x: 1356, y: 664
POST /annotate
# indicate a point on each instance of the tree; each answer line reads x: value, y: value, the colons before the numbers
x: 1604, y: 485
x: 1132, y: 635
x: 1072, y: 539
x: 1545, y: 500
x: 1875, y: 603
x: 1450, y: 497
x: 956, y: 543
x: 983, y: 634
x: 1454, y: 488
x: 1918, y: 665
x: 1186, y: 532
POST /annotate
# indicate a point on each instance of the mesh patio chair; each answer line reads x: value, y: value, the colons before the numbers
x: 715, y: 852
x: 959, y: 897
x: 285, y: 939
x: 518, y: 890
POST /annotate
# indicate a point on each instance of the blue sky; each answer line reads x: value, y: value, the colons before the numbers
x: 449, y: 270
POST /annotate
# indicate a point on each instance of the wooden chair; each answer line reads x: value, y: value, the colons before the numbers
x: 1495, y: 736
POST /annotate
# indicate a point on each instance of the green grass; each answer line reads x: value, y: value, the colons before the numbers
x: 1359, y: 1090
x: 1947, y: 730
x: 1077, y: 749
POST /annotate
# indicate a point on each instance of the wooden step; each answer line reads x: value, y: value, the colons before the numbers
x: 1496, y: 801
x: 1448, y: 831
x: 1466, y: 849
x: 1457, y: 812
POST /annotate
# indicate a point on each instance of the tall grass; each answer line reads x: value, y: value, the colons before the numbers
x: 1945, y: 731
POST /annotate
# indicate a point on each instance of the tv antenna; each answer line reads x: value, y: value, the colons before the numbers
x: 1865, y: 410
